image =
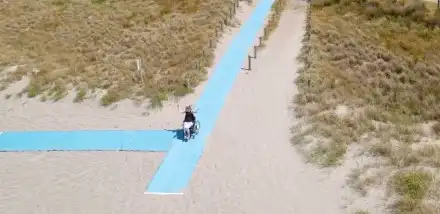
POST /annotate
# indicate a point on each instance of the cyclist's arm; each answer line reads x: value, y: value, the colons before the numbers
x: 180, y: 111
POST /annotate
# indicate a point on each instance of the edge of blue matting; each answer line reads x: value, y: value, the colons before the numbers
x: 99, y: 140
x: 177, y: 168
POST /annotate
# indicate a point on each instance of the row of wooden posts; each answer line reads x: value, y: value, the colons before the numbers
x: 260, y: 44
x: 221, y: 27
x: 212, y: 43
x: 307, y: 38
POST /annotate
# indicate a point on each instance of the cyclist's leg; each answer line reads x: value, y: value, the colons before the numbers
x: 193, y: 123
x: 184, y: 130
x: 187, y: 127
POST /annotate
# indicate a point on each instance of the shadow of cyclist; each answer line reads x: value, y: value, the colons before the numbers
x: 178, y: 133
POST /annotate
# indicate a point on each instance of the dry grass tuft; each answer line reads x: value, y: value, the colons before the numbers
x: 411, y: 187
x: 95, y: 44
x: 371, y: 77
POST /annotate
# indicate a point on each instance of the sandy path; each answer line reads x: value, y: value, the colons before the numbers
x: 73, y: 183
x: 249, y: 166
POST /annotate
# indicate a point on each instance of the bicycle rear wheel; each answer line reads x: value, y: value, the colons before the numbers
x: 197, y: 126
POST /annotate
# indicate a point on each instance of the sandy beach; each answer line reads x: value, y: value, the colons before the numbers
x: 248, y: 166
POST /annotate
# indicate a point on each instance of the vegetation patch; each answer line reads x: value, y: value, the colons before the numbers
x: 130, y: 49
x: 411, y: 187
x: 371, y: 77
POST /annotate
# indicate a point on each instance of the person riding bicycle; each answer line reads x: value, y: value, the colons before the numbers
x: 189, y: 119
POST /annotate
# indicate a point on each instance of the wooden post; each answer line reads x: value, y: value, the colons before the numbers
x: 255, y: 52
x: 249, y: 62
x: 140, y: 70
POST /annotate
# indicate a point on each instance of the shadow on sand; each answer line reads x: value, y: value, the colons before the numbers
x: 178, y: 133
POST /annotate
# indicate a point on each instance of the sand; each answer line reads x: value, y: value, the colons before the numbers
x: 249, y: 165
x: 73, y: 182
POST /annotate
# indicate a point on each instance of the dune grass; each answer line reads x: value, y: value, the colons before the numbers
x: 133, y: 49
x: 372, y: 79
x: 274, y: 19
x: 412, y: 187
